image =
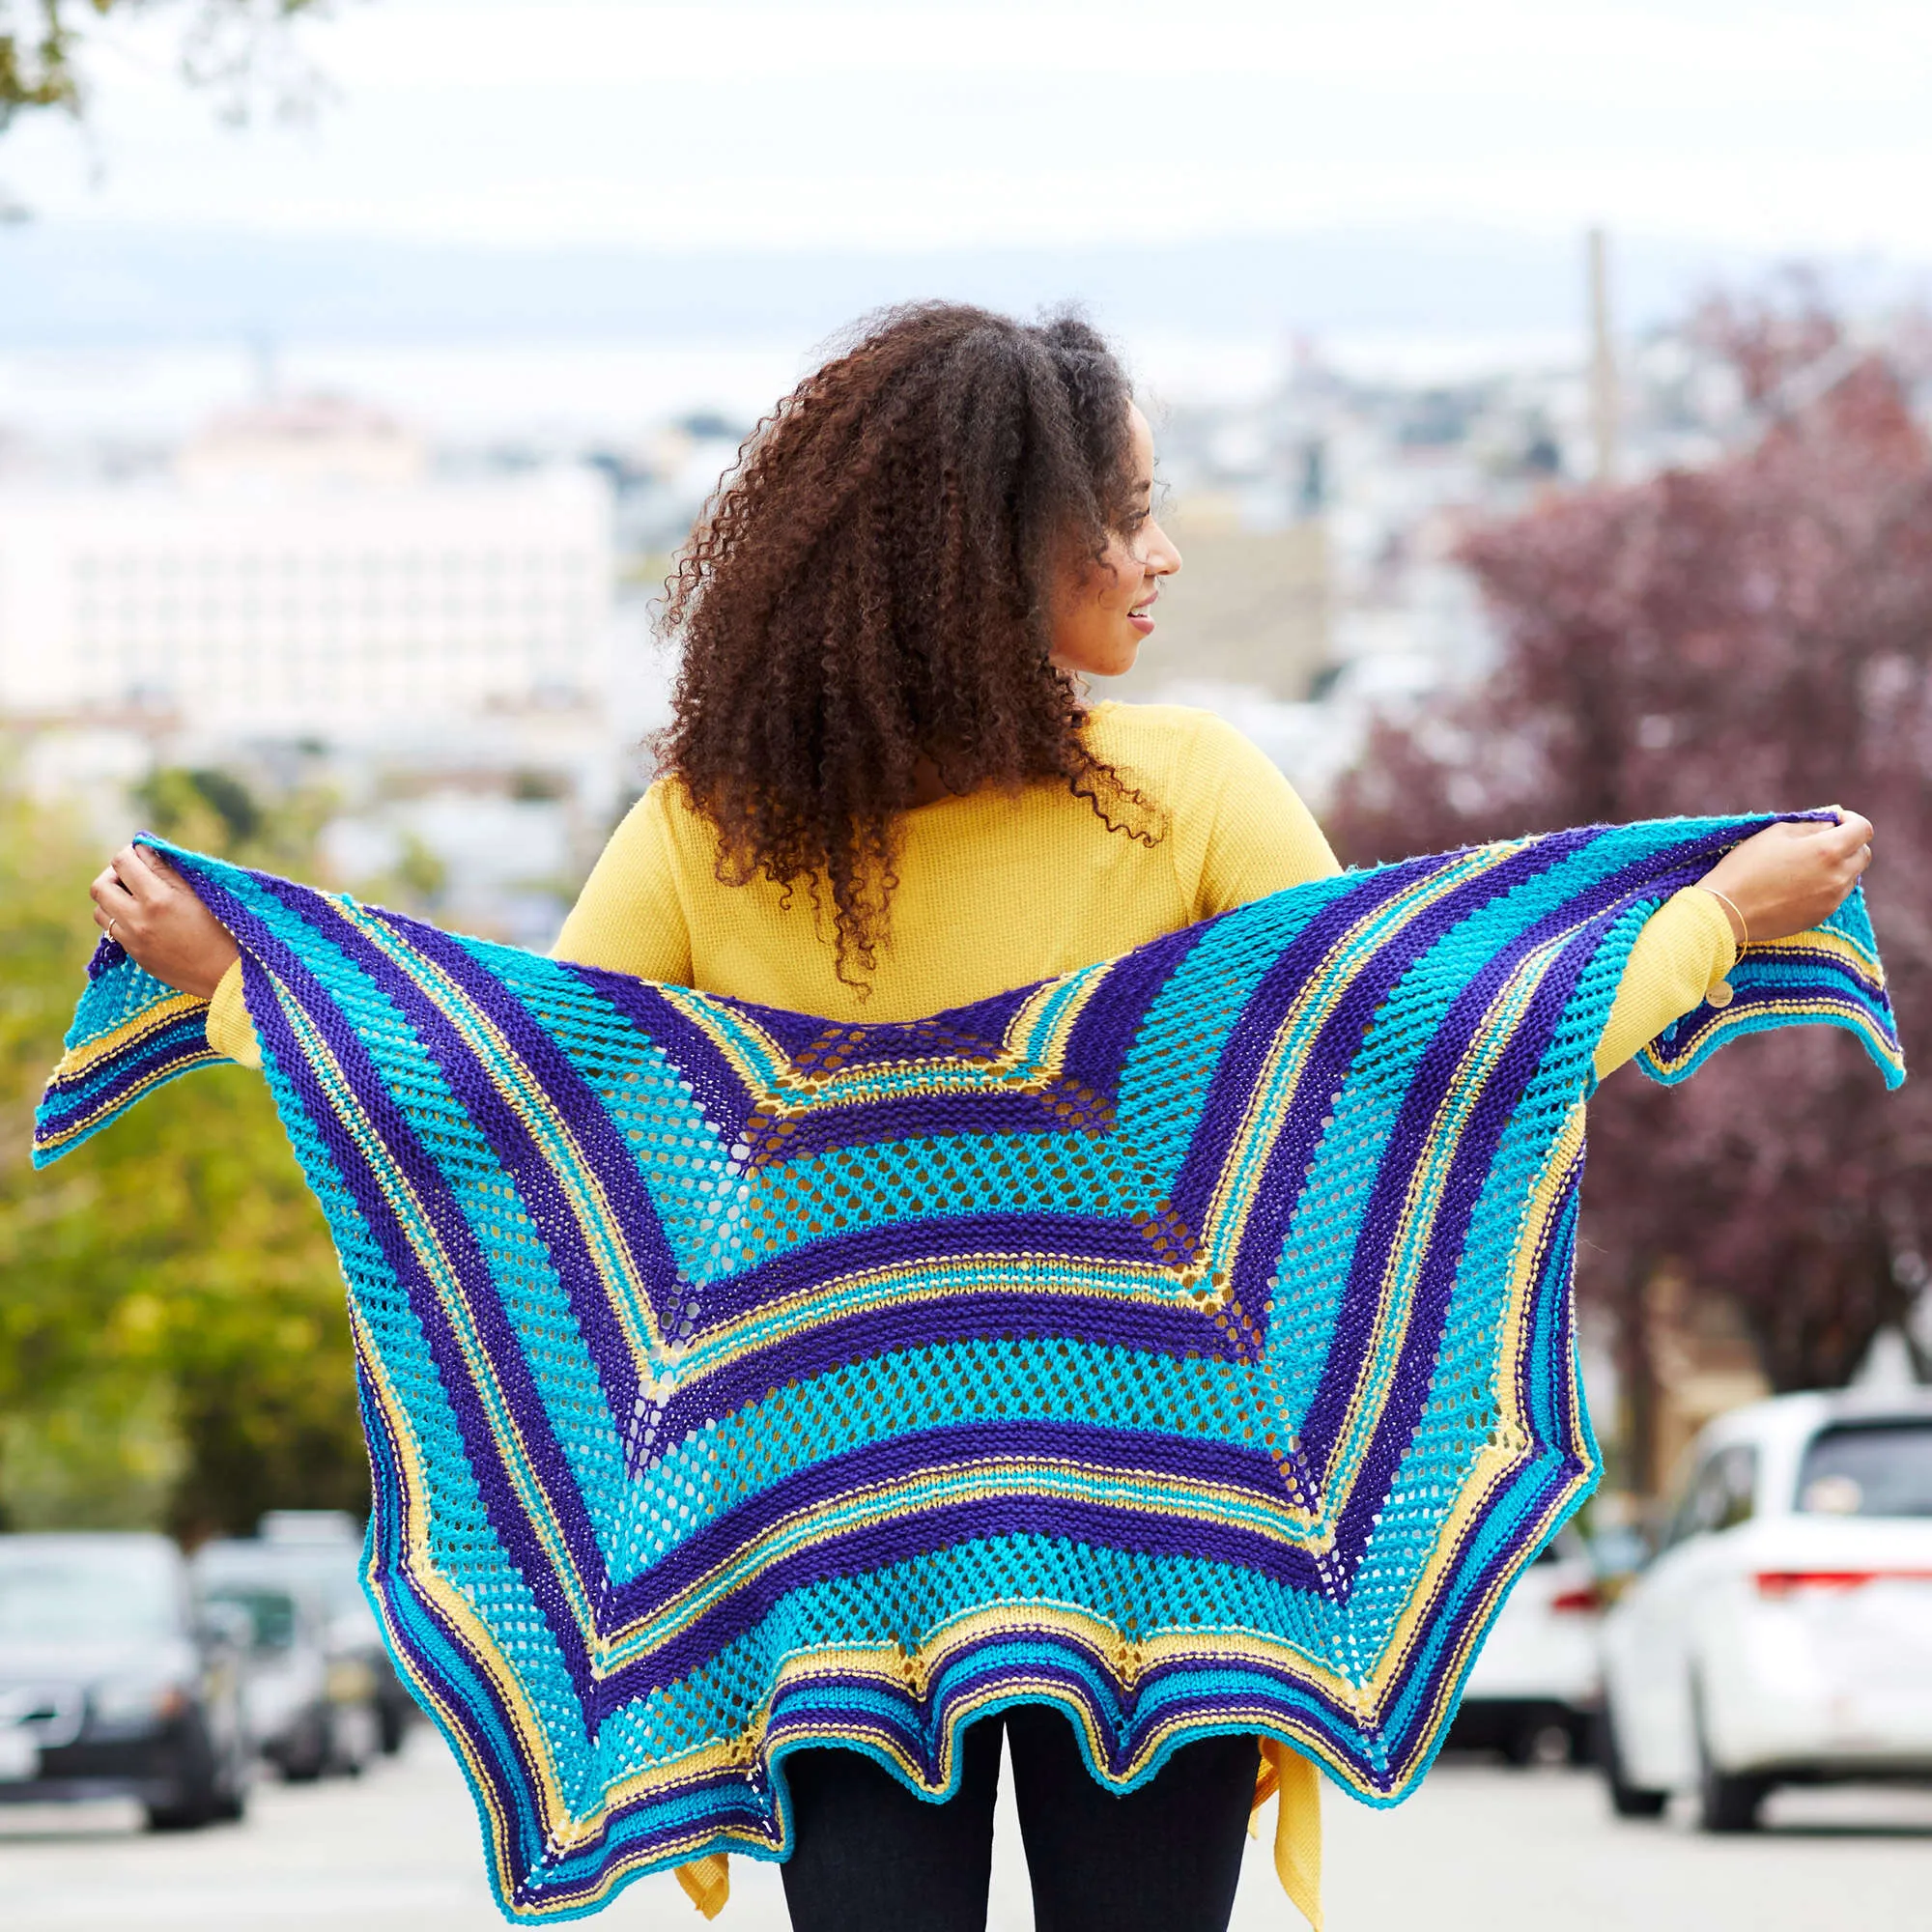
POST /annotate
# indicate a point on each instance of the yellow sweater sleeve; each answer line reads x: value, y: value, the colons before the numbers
x: 229, y: 1028
x: 1685, y: 947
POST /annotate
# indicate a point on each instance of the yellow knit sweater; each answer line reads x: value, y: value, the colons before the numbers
x: 996, y: 890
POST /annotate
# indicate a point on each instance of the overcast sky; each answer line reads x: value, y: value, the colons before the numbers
x: 1799, y: 127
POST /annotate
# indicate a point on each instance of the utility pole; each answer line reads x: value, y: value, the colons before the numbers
x: 1605, y: 405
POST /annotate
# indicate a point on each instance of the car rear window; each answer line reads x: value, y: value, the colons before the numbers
x: 1868, y: 1468
x: 77, y: 1594
x: 272, y: 1613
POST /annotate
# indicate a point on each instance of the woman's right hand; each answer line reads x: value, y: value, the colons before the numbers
x: 145, y: 905
x: 1791, y: 875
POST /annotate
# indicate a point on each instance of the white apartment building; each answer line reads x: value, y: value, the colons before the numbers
x: 302, y: 571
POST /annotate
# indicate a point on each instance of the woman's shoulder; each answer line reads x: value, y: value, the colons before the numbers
x: 1178, y: 749
x: 661, y: 823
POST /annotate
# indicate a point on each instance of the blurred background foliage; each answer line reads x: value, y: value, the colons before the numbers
x: 238, y: 48
x: 174, y: 1344
x: 1753, y: 635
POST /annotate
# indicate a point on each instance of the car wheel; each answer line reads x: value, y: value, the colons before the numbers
x: 1627, y: 1800
x: 178, y: 1817
x: 395, y: 1725
x: 200, y: 1805
x: 1729, y: 1804
x: 1543, y: 1740
x: 308, y: 1757
x: 1725, y: 1803
x: 230, y: 1803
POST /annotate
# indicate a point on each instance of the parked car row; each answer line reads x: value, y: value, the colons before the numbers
x: 1780, y: 1632
x: 129, y: 1670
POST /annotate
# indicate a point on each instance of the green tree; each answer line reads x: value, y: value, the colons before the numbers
x: 174, y: 1344
x: 241, y: 49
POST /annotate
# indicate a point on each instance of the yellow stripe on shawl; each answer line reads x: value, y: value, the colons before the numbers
x: 77, y: 1060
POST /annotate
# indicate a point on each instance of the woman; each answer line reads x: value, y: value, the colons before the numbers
x: 885, y: 794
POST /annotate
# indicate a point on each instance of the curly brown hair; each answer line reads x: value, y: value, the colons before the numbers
x: 873, y: 588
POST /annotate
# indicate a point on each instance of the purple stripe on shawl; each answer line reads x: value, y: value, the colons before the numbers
x: 567, y: 1885
x: 1407, y: 1389
x: 1243, y: 1056
x: 1828, y: 993
x: 729, y: 1103
x: 913, y: 1454
x: 826, y: 1128
x: 1080, y: 1099
x: 1331, y: 1055
x: 660, y: 1022
x: 522, y: 1159
x: 977, y: 1029
x: 1175, y: 1331
x: 921, y: 1532
x: 606, y: 1154
x: 544, y: 1456
x: 1474, y: 1580
x: 1098, y: 1046
x: 1026, y: 1231
x: 721, y: 1092
x: 1278, y: 1193
x: 1108, y: 1027
x: 1329, y: 1063
x: 1560, y: 1255
x: 971, y: 1669
x: 1538, y: 1481
x: 458, y: 1697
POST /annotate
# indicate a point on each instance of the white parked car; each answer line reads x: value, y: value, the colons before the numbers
x: 1782, y: 1634
x: 1533, y: 1691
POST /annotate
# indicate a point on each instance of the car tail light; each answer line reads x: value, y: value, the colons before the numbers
x: 1780, y: 1584
x: 1583, y: 1600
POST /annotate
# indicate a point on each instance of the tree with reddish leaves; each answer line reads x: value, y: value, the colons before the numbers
x: 1754, y: 634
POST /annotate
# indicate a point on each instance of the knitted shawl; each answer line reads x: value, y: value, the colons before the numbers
x: 1184, y: 1341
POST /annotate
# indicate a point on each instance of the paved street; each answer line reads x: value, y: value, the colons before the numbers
x: 1477, y: 1849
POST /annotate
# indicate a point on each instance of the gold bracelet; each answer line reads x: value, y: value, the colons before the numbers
x: 1743, y: 925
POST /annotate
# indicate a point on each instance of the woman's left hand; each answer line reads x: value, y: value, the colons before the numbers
x: 1791, y: 875
x: 141, y: 901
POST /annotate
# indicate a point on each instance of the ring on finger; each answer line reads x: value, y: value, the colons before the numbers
x: 111, y: 925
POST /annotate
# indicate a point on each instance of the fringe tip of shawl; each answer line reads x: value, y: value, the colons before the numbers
x: 707, y: 1883
x: 1293, y: 1781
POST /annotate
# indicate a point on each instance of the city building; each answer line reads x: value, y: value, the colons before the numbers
x: 302, y: 569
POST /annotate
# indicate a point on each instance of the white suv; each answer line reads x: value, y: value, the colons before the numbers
x: 1782, y: 1634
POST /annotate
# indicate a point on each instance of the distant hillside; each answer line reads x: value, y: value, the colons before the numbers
x: 74, y: 285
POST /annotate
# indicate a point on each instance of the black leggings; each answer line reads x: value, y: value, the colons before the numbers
x: 870, y: 1857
